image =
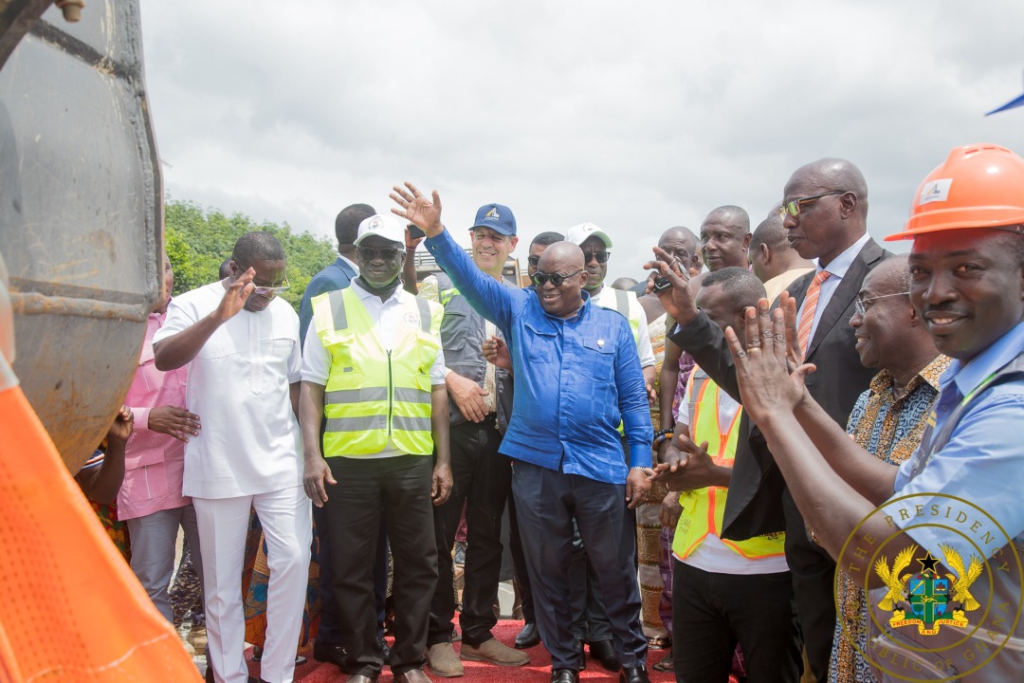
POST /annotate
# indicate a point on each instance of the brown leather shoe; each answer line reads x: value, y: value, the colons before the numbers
x: 413, y: 676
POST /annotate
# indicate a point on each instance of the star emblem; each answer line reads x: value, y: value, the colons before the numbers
x: 928, y: 563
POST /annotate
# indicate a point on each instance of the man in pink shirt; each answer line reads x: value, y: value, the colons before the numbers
x: 150, y: 499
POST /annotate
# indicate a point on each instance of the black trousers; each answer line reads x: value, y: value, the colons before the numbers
x: 546, y: 503
x: 329, y: 631
x: 519, y: 569
x: 814, y: 574
x: 482, y: 478
x: 713, y: 612
x: 398, y: 490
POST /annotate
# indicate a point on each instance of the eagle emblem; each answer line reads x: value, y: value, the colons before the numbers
x: 926, y: 599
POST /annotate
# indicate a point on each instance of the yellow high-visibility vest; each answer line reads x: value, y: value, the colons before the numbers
x: 703, y: 509
x: 373, y: 394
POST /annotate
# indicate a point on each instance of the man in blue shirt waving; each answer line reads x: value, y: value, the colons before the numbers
x: 577, y: 377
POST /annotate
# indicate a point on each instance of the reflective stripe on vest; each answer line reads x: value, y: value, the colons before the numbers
x: 703, y: 509
x: 629, y: 308
x: 374, y: 397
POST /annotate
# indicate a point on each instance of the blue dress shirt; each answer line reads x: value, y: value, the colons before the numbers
x: 983, y: 462
x: 338, y: 275
x: 576, y: 378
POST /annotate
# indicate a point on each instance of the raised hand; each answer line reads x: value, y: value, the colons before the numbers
x: 495, y: 350
x: 768, y: 383
x: 422, y: 212
x: 412, y: 242
x: 236, y: 296
x: 677, y: 300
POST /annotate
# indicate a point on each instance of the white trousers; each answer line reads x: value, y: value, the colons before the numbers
x: 286, y: 516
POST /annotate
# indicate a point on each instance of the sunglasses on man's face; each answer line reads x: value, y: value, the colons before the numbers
x: 533, y: 260
x: 556, y: 279
x: 270, y: 290
x: 599, y: 256
x: 387, y: 253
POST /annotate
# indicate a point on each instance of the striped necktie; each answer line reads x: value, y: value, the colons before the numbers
x: 810, y: 306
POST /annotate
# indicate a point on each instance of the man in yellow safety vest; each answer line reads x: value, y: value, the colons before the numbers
x: 724, y: 592
x: 373, y: 367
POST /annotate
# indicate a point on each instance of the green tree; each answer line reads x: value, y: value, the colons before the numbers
x: 197, y: 243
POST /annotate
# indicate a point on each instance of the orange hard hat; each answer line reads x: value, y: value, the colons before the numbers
x: 978, y: 186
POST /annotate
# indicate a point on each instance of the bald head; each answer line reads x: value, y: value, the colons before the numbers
x: 769, y: 250
x: 561, y: 257
x: 565, y: 261
x: 724, y: 238
x: 830, y: 198
x: 891, y: 276
x: 830, y: 175
x: 682, y: 244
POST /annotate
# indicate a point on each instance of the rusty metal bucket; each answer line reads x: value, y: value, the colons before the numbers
x: 81, y: 210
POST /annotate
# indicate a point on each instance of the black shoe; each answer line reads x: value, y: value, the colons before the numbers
x: 604, y: 652
x: 636, y: 674
x: 564, y: 676
x: 528, y: 637
x: 333, y: 654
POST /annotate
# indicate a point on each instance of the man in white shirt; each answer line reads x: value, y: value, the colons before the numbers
x: 373, y: 366
x: 241, y: 345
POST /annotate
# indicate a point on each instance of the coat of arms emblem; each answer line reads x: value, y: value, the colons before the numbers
x: 933, y: 600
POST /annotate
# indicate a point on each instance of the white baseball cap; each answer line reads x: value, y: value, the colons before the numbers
x: 388, y: 227
x: 578, y: 234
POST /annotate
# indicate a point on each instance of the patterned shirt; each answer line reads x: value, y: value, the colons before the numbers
x: 891, y: 429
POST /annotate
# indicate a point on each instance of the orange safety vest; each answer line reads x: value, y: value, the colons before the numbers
x: 703, y: 509
x: 73, y: 611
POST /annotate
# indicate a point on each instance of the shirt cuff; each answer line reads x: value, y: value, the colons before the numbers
x: 639, y: 454
x: 141, y: 418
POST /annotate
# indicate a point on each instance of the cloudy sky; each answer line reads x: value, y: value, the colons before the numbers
x: 636, y: 116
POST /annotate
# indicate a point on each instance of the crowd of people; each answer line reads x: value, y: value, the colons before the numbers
x: 695, y: 459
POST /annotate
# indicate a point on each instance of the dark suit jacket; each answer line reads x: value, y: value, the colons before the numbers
x: 338, y: 275
x: 754, y: 505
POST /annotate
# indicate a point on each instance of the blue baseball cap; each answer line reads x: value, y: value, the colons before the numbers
x: 497, y: 217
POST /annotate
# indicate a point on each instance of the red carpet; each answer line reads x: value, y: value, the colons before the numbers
x: 537, y: 671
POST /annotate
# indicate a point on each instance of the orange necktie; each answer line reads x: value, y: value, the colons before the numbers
x: 810, y: 305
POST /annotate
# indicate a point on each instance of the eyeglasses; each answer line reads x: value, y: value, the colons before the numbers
x: 533, y: 260
x: 271, y: 291
x: 792, y: 207
x: 387, y: 253
x: 858, y: 302
x: 541, y: 279
x: 599, y: 256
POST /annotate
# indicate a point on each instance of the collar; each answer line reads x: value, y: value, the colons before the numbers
x: 364, y: 295
x: 840, y: 264
x: 351, y: 264
x: 930, y: 374
x: 968, y: 376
